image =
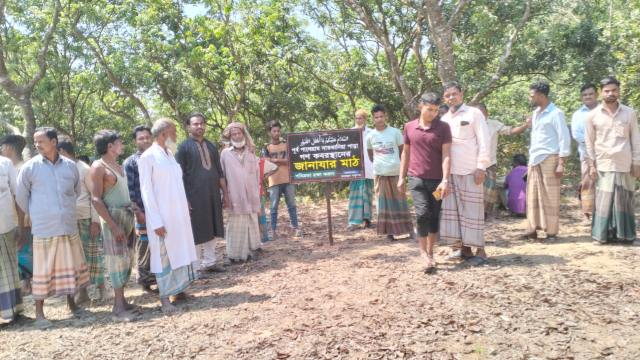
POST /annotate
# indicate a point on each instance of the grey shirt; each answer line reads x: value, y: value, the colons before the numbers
x: 48, y: 193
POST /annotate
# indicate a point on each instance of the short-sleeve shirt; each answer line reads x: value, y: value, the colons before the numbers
x: 386, y: 155
x: 271, y: 151
x: 426, y: 147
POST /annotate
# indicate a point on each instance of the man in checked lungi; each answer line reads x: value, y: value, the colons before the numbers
x: 88, y: 225
x: 613, y: 154
x: 10, y: 288
x: 384, y: 147
x: 171, y: 244
x: 110, y: 196
x: 48, y: 186
x: 548, y: 153
x: 142, y: 139
x: 361, y: 191
x: 589, y: 97
x: 462, y: 223
x: 496, y: 128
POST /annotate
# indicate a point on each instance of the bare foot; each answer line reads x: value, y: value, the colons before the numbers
x: 43, y: 323
x: 147, y: 291
x: 585, y: 220
x: 125, y: 316
x: 26, y: 287
x: 489, y: 218
x: 105, y: 294
x: 168, y: 308
x: 82, y: 296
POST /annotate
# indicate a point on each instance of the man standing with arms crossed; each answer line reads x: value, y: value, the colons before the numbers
x: 463, y: 211
x: 589, y: 97
x: 48, y: 186
x: 142, y: 139
x: 426, y: 155
x: 203, y: 178
x: 495, y: 129
x: 548, y: 153
x: 613, y: 154
x: 276, y: 153
x: 88, y: 225
x: 361, y: 191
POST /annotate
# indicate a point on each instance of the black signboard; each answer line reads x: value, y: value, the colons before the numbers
x: 325, y: 155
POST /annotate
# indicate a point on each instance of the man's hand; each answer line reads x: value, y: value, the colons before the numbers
x: 560, y: 171
x: 593, y: 173
x: 141, y: 218
x: 118, y: 233
x: 401, y: 186
x: 445, y: 189
x: 635, y: 170
x: 479, y: 175
x: 528, y: 121
x: 161, y: 232
x: 94, y: 230
x: 190, y: 208
x: 225, y: 201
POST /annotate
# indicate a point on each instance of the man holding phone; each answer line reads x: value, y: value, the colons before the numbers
x: 463, y: 211
x: 426, y: 156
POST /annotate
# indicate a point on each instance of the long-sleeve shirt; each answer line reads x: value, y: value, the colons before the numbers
x: 613, y: 140
x: 577, y: 128
x: 470, y: 146
x: 130, y: 167
x: 495, y: 129
x: 84, y: 205
x: 7, y: 192
x: 549, y: 135
x: 48, y: 193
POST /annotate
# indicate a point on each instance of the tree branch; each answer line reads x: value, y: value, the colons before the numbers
x: 11, y: 128
x: 456, y: 14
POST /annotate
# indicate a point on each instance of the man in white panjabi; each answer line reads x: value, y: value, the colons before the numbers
x: 171, y: 243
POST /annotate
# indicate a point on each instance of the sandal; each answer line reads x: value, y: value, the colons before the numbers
x: 43, y: 324
x: 351, y: 228
x: 597, y: 243
x: 457, y: 256
x: 475, y: 261
x: 300, y: 233
x: 527, y: 236
x: 81, y: 314
x: 431, y: 267
x: 550, y: 240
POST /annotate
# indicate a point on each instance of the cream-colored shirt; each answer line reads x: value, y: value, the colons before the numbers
x: 470, y: 135
x: 15, y: 212
x: 613, y: 140
x: 84, y: 205
x: 495, y: 129
x: 8, y: 184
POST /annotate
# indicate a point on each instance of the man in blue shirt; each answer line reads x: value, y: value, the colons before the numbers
x: 547, y: 155
x: 589, y: 97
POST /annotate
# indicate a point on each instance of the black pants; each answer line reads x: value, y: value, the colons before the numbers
x: 425, y: 205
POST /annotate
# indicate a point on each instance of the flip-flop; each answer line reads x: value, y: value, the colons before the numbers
x: 596, y: 242
x: 43, y: 324
x: 475, y: 261
x: 458, y: 255
x: 81, y: 314
x: 128, y: 317
x: 430, y: 270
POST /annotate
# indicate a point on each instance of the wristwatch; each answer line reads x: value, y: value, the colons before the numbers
x: 445, y: 181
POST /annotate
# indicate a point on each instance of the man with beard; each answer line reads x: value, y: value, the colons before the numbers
x: 495, y: 129
x: 548, y: 153
x: 167, y: 213
x: 242, y: 169
x: 88, y: 225
x: 142, y: 140
x: 613, y: 154
x: 110, y: 196
x: 361, y: 191
x: 48, y: 186
x: 463, y: 211
x: 203, y: 179
x: 589, y: 97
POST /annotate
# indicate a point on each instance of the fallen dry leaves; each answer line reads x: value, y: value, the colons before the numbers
x: 364, y: 299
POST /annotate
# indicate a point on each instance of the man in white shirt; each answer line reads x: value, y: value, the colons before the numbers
x: 495, y: 129
x: 361, y: 191
x: 587, y: 187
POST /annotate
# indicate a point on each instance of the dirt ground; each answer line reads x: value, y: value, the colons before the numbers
x: 364, y: 299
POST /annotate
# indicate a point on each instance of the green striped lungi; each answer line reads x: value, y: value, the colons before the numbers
x: 360, y: 201
x: 614, y: 215
x: 92, y: 252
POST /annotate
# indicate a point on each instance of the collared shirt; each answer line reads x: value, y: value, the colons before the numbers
x: 48, y: 193
x: 15, y: 211
x: 549, y: 135
x: 425, y: 157
x: 613, y: 140
x: 577, y: 128
x: 495, y: 129
x: 84, y: 205
x: 368, y: 165
x: 470, y: 135
x: 130, y: 167
x: 7, y: 192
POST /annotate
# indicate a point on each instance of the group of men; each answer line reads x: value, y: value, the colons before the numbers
x: 160, y: 212
x: 450, y: 158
